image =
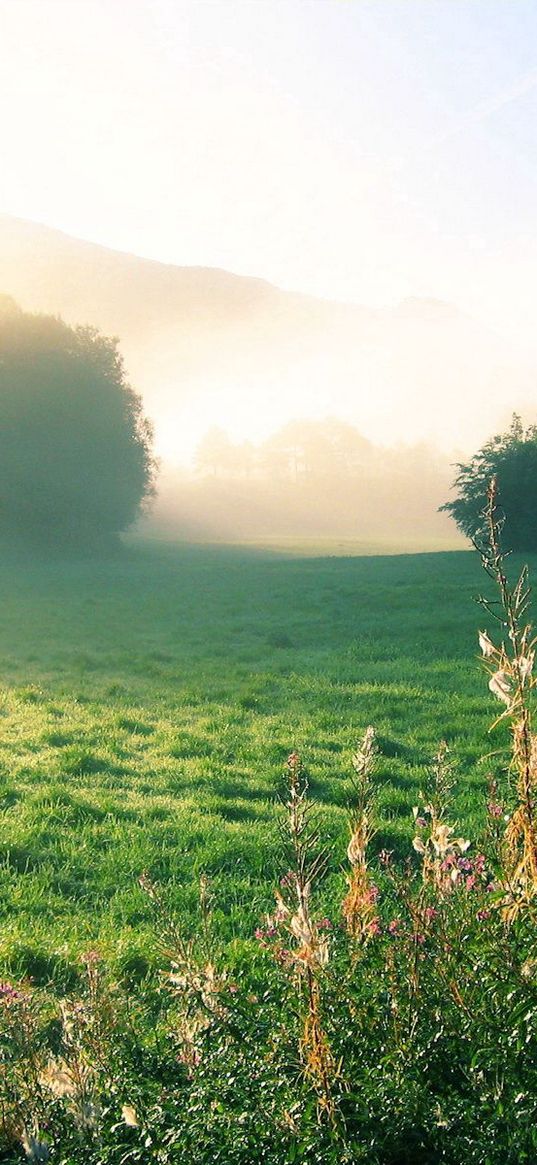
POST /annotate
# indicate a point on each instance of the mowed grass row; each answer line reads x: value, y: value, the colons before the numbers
x: 150, y: 702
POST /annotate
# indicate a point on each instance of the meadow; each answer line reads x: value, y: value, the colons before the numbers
x: 149, y: 702
x: 237, y: 922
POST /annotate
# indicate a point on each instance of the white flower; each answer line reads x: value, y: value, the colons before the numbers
x: 486, y: 645
x: 525, y: 666
x: 129, y: 1116
x: 500, y: 686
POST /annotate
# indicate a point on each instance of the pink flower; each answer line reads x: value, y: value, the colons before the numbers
x: 421, y: 822
x: 394, y: 925
x: 430, y: 913
x: 471, y: 881
x: 90, y: 958
x: 374, y: 926
x: 494, y: 809
x: 9, y: 993
x: 325, y: 924
x: 482, y: 915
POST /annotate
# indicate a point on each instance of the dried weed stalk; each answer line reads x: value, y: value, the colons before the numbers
x: 511, y: 680
x: 359, y: 905
x: 309, y: 950
x: 434, y: 839
x: 194, y: 981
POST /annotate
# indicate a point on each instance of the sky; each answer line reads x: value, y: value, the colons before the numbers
x: 365, y: 150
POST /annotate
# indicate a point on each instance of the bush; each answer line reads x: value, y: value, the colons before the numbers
x: 75, y: 448
x: 511, y: 458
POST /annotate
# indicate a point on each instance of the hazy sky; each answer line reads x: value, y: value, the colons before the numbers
x: 362, y: 149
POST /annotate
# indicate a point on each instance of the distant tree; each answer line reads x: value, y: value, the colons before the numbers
x: 327, y: 448
x: 511, y: 458
x: 214, y: 453
x: 75, y: 447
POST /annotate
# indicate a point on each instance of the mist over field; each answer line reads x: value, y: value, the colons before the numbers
x: 326, y: 419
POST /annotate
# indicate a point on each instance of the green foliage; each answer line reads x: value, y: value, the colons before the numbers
x: 75, y: 460
x: 511, y: 458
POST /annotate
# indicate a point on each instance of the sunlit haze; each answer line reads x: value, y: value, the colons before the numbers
x: 367, y: 151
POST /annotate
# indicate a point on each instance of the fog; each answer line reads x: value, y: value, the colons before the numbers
x: 310, y: 481
x: 278, y: 415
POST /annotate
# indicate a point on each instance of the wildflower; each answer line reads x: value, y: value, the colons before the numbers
x: 9, y: 993
x: 301, y: 927
x: 525, y: 666
x: 394, y: 925
x: 494, y: 809
x: 421, y: 822
x: 129, y: 1116
x: 486, y: 645
x: 355, y: 848
x: 325, y: 924
x: 500, y: 686
x: 90, y: 958
x: 374, y: 926
x: 470, y: 881
x: 430, y: 913
x: 482, y: 915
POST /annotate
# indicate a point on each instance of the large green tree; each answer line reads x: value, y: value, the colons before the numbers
x: 75, y: 448
x: 511, y: 458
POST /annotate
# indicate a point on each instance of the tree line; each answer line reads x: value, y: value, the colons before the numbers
x: 76, y: 450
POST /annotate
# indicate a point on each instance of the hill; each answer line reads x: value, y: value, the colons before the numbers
x: 207, y: 346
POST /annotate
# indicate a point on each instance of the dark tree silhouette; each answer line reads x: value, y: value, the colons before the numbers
x: 511, y: 458
x: 75, y: 448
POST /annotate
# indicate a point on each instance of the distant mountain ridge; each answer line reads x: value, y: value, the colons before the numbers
x: 207, y: 346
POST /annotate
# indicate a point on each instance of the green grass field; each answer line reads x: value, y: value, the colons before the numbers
x: 150, y: 701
